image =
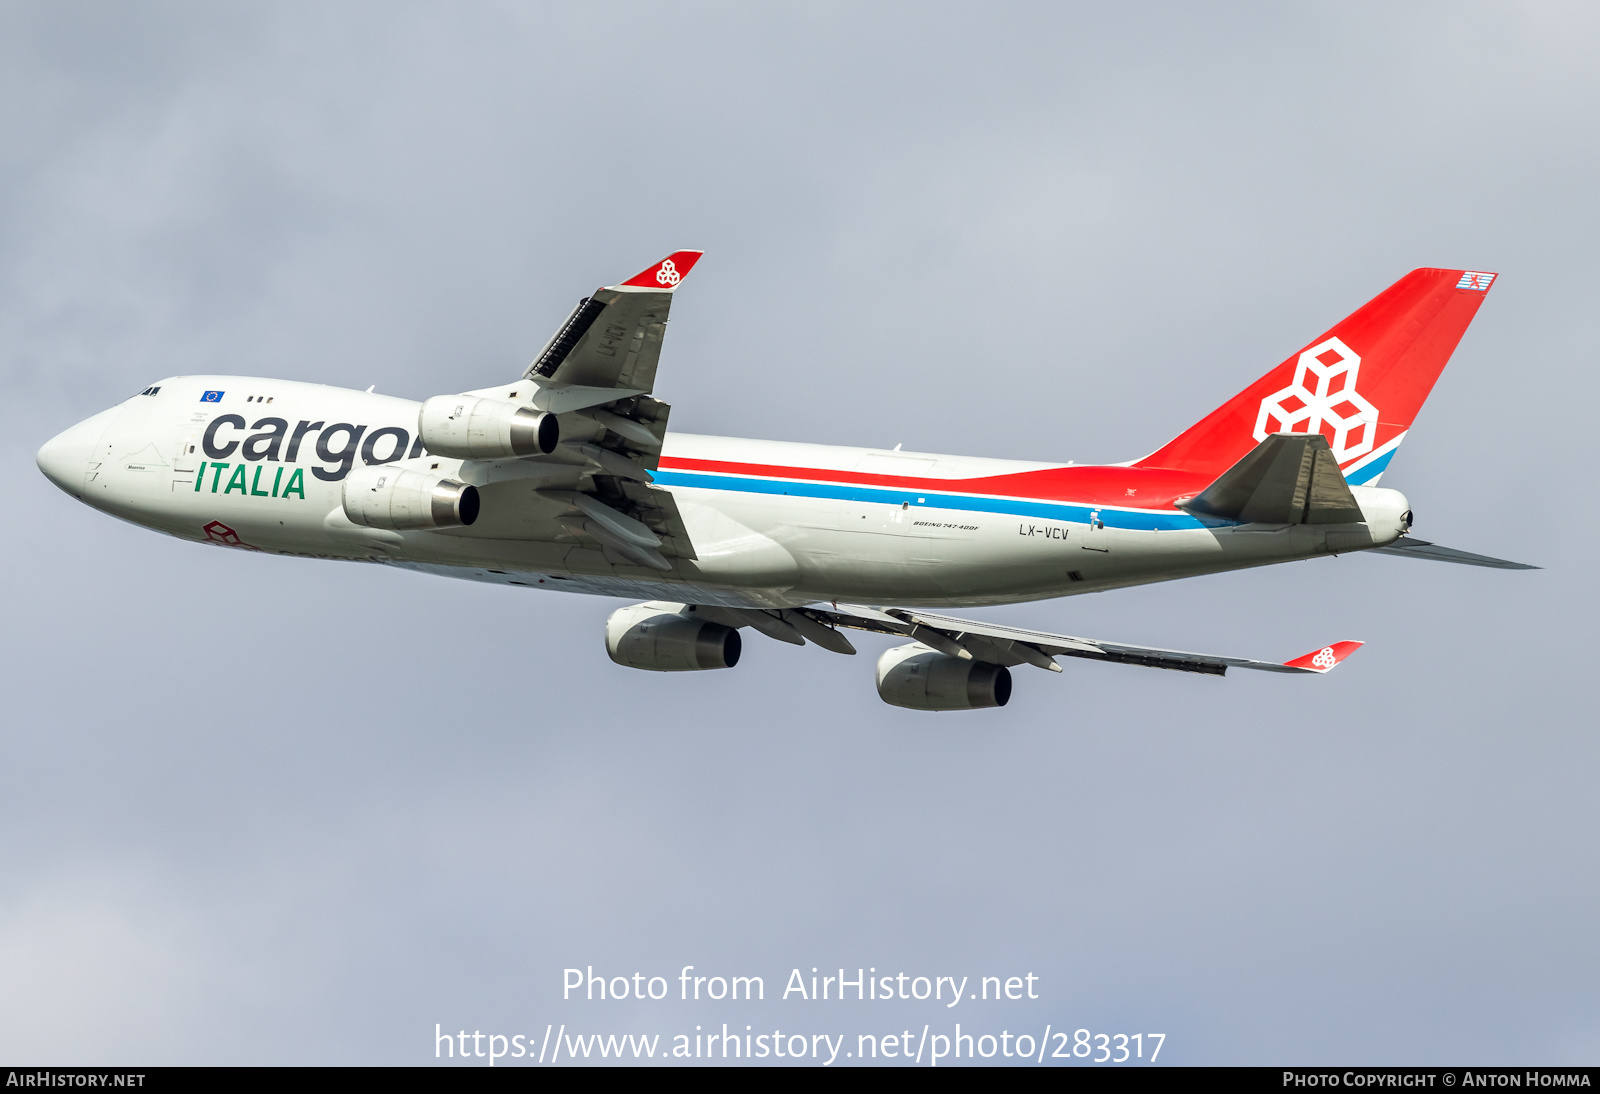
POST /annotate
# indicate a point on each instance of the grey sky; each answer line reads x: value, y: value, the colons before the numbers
x: 268, y: 810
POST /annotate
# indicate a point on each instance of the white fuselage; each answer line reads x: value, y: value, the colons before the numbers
x: 772, y: 524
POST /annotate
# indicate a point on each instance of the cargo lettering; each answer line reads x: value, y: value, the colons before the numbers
x: 338, y: 445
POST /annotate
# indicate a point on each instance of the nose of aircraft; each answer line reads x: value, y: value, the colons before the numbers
x: 64, y: 459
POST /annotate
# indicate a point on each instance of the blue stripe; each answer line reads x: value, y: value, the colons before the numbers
x: 1366, y: 474
x: 1020, y: 507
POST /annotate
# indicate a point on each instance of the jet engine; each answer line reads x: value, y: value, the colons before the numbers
x: 669, y: 638
x: 918, y: 678
x: 385, y: 496
x: 469, y: 428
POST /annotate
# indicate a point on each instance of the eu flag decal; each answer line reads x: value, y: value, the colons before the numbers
x: 211, y: 397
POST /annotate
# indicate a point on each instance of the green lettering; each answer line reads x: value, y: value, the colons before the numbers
x: 200, y: 477
x: 276, y: 479
x: 297, y: 484
x: 219, y: 468
x: 255, y: 493
x: 236, y: 481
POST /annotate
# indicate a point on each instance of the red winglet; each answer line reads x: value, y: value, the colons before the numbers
x: 1324, y: 659
x: 667, y: 273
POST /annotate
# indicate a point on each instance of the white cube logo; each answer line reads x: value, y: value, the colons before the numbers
x: 1323, y: 399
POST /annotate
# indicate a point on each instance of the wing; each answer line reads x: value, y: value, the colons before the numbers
x: 597, y: 373
x: 611, y: 342
x: 1016, y: 645
x: 1406, y: 547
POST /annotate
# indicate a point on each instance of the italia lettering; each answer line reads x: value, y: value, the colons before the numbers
x: 296, y: 485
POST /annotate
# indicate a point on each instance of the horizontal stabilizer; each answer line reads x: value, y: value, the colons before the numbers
x: 1289, y: 478
x: 1421, y: 548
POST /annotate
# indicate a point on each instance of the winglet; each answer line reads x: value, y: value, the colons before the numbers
x: 667, y: 273
x: 1324, y: 659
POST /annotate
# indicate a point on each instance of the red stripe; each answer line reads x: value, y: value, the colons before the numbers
x: 1131, y: 487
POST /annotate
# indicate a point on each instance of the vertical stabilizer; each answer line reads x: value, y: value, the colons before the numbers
x: 1359, y: 384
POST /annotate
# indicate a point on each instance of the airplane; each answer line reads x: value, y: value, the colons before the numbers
x: 568, y: 479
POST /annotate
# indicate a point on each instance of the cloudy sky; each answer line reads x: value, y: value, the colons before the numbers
x: 264, y: 810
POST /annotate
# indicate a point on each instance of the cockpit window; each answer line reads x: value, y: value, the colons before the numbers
x: 150, y: 391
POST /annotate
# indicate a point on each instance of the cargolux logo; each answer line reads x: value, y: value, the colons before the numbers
x: 217, y: 532
x: 1323, y: 399
x: 668, y: 274
x: 1325, y: 659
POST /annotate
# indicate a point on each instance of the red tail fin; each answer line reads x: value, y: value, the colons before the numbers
x: 1359, y: 384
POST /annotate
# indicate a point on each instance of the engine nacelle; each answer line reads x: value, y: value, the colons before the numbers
x: 668, y: 638
x: 385, y: 496
x: 918, y: 678
x: 465, y: 427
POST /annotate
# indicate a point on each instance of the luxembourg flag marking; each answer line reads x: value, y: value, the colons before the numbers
x: 1478, y: 281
